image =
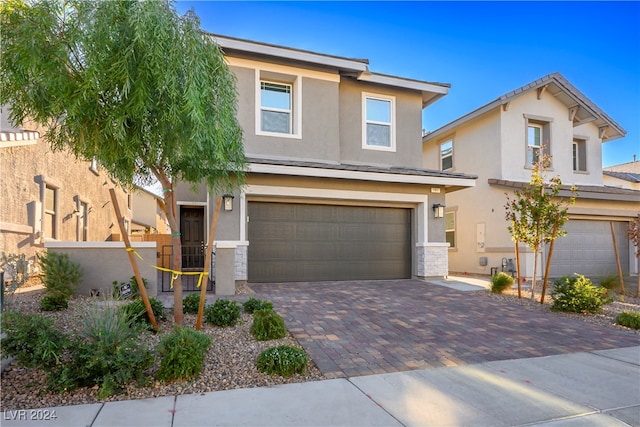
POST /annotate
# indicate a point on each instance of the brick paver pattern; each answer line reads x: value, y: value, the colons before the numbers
x: 371, y: 327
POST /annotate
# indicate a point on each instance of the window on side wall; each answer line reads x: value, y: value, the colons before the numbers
x: 579, y: 155
x: 446, y: 155
x: 83, y: 222
x: 50, y: 212
x: 378, y: 131
x: 538, y: 141
x: 450, y: 228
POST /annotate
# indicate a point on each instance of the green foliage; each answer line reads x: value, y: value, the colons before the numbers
x: 61, y: 275
x: 576, y: 294
x: 107, y: 353
x: 267, y: 325
x: 107, y: 84
x: 32, y: 340
x: 182, y: 354
x: 223, y: 313
x: 54, y: 302
x: 135, y: 292
x: 630, y: 319
x: 610, y: 282
x: 283, y: 360
x: 191, y: 303
x: 500, y: 282
x: 254, y: 304
x: 136, y: 313
x: 536, y: 214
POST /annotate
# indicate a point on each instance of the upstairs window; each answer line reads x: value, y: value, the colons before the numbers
x: 276, y: 107
x: 579, y: 155
x: 83, y: 222
x: 538, y: 140
x: 378, y: 122
x: 446, y: 155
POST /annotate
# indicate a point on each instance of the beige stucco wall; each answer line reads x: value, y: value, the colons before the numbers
x: 513, y: 136
x: 621, y: 183
x: 105, y: 262
x: 148, y: 212
x: 20, y: 167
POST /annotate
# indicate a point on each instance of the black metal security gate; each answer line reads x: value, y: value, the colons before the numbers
x: 189, y: 281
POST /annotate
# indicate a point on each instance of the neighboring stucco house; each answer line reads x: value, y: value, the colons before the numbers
x: 625, y: 175
x: 499, y: 142
x: 147, y: 213
x: 336, y: 188
x: 50, y: 196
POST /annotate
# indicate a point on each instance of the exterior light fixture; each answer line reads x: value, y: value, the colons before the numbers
x: 227, y: 200
x: 438, y: 210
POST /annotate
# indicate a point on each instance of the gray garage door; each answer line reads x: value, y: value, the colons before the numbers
x: 588, y: 249
x: 295, y: 242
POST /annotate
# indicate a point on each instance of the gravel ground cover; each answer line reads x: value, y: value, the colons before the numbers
x: 230, y: 361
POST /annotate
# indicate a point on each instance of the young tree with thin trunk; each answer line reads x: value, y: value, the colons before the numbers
x: 130, y: 84
x: 536, y: 215
x: 634, y: 235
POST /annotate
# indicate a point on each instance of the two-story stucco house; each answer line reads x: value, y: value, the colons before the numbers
x: 51, y: 196
x: 336, y: 188
x: 499, y: 142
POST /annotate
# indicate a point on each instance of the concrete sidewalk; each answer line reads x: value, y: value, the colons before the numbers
x: 599, y: 388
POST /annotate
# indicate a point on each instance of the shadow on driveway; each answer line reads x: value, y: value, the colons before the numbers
x: 371, y: 327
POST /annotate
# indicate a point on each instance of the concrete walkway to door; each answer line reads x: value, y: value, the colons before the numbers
x: 373, y: 327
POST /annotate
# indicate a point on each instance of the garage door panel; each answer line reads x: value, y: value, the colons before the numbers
x: 325, y: 242
x: 588, y: 249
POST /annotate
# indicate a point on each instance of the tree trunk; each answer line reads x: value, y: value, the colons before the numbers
x: 545, y: 280
x: 176, y: 243
x: 535, y: 270
x: 518, y: 270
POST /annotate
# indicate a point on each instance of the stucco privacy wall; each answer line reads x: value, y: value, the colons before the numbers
x: 104, y: 262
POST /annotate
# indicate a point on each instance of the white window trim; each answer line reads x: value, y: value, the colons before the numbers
x: 80, y: 221
x: 577, y: 141
x: 296, y: 108
x: 392, y: 143
x: 45, y: 182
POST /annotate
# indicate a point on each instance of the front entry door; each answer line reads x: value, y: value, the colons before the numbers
x: 192, y: 229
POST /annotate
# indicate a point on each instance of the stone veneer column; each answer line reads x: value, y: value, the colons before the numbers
x: 432, y: 259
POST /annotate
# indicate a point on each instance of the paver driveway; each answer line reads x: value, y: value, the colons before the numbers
x: 370, y: 327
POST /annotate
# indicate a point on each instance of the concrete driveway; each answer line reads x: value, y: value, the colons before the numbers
x: 373, y: 327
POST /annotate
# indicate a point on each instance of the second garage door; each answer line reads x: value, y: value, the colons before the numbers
x: 296, y: 242
x: 588, y: 249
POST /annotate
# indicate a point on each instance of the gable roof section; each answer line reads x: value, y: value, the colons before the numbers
x: 348, y: 67
x: 452, y: 181
x: 581, y: 109
x: 625, y: 176
x: 584, y: 191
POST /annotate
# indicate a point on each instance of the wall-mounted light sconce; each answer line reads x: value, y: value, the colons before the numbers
x: 438, y: 210
x: 227, y: 200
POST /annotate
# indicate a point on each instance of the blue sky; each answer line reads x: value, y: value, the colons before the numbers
x: 483, y: 49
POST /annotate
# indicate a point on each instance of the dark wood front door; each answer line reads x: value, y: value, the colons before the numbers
x: 192, y: 229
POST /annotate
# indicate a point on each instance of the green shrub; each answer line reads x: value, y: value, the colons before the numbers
x: 223, y: 313
x: 53, y: 302
x: 191, y: 303
x: 500, y: 282
x: 630, y: 319
x: 107, y: 352
x: 610, y: 282
x: 182, y: 354
x: 253, y: 304
x: 32, y: 340
x: 576, y: 294
x: 136, y: 312
x: 60, y: 274
x: 283, y: 360
x: 267, y: 325
x: 133, y: 283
